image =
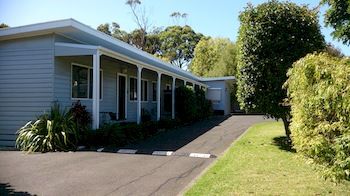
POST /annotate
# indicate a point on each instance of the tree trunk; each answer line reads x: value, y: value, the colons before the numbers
x: 286, y: 123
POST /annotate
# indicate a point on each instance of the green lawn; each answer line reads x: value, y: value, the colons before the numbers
x: 257, y: 164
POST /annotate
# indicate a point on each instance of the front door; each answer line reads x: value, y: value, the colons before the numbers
x: 121, y: 97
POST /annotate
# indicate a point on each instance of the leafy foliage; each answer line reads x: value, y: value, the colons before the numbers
x: 82, y: 119
x: 333, y: 51
x: 120, y: 134
x: 272, y: 36
x: 3, y: 25
x: 50, y: 132
x: 80, y: 114
x: 177, y: 44
x: 191, y: 105
x: 338, y: 17
x: 319, y: 89
x: 214, y: 57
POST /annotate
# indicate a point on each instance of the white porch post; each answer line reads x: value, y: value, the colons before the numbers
x: 173, y: 99
x: 184, y: 82
x: 158, y: 94
x: 139, y: 72
x: 96, y: 90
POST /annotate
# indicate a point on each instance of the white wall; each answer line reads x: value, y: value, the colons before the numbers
x: 224, y: 87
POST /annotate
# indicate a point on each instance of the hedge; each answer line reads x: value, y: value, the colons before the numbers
x: 319, y: 92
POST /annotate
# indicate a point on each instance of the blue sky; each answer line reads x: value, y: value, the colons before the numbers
x: 214, y: 18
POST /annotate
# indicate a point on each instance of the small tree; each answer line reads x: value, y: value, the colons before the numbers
x: 338, y: 17
x: 272, y: 36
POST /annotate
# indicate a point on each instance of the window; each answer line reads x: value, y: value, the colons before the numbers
x: 144, y: 90
x: 133, y: 90
x: 154, y: 91
x: 82, y: 82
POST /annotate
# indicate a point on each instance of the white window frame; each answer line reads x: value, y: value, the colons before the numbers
x: 136, y: 89
x: 88, y: 82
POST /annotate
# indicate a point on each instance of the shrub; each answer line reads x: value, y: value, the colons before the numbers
x: 81, y: 115
x: 82, y: 118
x: 319, y: 92
x: 120, y: 134
x: 191, y: 105
x: 50, y: 132
x: 145, y: 115
x: 168, y: 123
x: 185, y: 104
x: 203, y: 107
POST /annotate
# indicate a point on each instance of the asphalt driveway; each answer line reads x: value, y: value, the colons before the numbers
x: 105, y: 173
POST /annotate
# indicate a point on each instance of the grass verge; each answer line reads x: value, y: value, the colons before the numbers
x: 261, y: 163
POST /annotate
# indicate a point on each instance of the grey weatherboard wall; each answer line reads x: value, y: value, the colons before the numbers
x: 26, y: 82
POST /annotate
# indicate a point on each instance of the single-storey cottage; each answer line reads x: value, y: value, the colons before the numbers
x: 65, y: 61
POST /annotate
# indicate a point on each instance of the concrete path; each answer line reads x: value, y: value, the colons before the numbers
x: 103, y: 173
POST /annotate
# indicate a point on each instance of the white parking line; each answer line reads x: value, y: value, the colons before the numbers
x: 200, y: 155
x: 162, y: 153
x: 127, y: 151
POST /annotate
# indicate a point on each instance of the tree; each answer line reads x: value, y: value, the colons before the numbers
x: 141, y: 20
x: 272, y: 36
x: 214, y: 57
x: 333, y: 51
x: 176, y: 16
x: 114, y: 31
x: 177, y: 44
x: 105, y: 28
x: 3, y: 25
x: 338, y: 17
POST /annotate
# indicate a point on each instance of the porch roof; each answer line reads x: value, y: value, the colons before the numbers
x: 86, y: 35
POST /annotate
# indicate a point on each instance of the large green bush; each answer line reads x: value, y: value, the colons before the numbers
x: 191, y: 105
x: 272, y: 36
x: 319, y: 91
x: 55, y: 131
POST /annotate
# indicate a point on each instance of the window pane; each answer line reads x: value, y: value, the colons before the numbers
x: 144, y: 90
x: 133, y: 88
x: 79, y: 82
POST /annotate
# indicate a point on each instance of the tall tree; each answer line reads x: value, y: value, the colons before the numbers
x: 114, y: 31
x: 176, y: 16
x: 214, y: 57
x: 332, y: 50
x: 272, y: 36
x: 134, y: 38
x: 338, y: 17
x: 177, y: 44
x: 141, y: 20
x: 3, y: 25
x: 105, y: 28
